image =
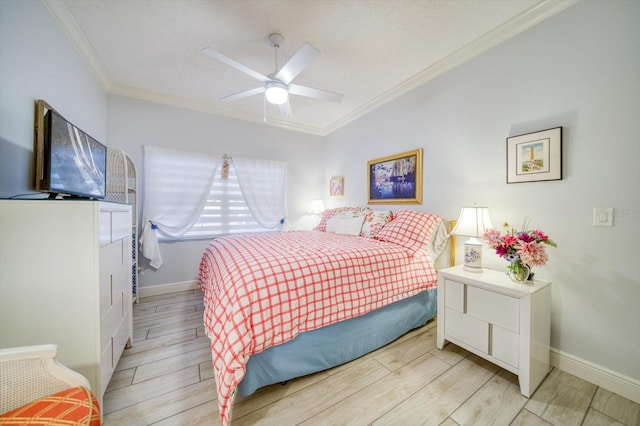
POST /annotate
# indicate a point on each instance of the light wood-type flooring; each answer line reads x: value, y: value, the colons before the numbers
x: 166, y: 378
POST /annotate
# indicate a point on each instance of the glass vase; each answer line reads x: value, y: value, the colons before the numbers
x: 519, y: 272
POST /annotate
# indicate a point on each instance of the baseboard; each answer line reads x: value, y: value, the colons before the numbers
x: 156, y: 290
x: 598, y: 375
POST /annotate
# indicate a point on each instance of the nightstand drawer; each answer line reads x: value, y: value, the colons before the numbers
x: 454, y: 295
x: 505, y: 345
x: 467, y: 329
x: 495, y: 308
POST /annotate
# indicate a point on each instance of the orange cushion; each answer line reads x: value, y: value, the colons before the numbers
x: 74, y: 406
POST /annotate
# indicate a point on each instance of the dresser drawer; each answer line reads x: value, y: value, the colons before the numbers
x: 498, y: 309
x: 121, y: 269
x: 120, y: 338
x: 114, y: 224
x: 104, y: 228
x: 120, y: 225
x: 111, y: 319
x: 114, y: 274
x: 467, y: 329
x: 106, y: 366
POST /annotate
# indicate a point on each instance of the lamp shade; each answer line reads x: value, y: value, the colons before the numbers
x: 317, y: 207
x: 473, y: 222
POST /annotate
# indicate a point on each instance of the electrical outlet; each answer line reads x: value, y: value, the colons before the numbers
x: 603, y: 216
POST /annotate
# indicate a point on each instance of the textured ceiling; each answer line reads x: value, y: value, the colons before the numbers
x: 371, y: 50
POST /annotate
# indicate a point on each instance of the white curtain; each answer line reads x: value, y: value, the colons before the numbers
x: 173, y: 204
x: 264, y: 187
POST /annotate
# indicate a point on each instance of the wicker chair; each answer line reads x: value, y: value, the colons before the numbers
x: 31, y: 375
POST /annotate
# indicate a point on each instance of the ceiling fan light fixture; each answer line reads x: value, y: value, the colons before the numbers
x: 276, y: 93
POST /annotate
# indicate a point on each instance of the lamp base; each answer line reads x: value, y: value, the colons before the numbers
x: 473, y: 255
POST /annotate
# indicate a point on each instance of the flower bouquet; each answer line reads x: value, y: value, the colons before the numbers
x: 522, y: 249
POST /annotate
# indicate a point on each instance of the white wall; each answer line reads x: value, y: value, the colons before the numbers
x: 580, y: 70
x: 133, y: 123
x: 38, y: 62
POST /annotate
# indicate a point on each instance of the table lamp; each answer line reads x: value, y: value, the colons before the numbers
x: 317, y: 207
x: 473, y: 222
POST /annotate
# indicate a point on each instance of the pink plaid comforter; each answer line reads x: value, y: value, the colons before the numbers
x: 264, y: 289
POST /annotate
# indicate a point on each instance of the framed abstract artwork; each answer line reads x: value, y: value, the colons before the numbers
x: 535, y: 156
x: 336, y: 186
x: 395, y: 179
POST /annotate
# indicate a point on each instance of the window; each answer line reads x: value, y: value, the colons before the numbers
x: 225, y: 211
x: 185, y: 196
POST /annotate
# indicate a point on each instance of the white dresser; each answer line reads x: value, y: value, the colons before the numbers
x: 502, y: 321
x: 65, y: 278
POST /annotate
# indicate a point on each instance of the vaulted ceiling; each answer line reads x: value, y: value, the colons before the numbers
x: 371, y: 50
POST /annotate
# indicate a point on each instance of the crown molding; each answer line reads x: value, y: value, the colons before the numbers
x: 70, y: 26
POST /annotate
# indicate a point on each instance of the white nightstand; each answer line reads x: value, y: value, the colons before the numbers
x: 502, y: 321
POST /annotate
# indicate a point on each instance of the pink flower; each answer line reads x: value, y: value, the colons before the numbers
x: 492, y: 238
x: 510, y: 239
x: 532, y: 253
x: 502, y: 250
x: 523, y: 236
x: 540, y: 235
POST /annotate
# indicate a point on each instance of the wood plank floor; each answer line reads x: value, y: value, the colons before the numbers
x: 166, y: 378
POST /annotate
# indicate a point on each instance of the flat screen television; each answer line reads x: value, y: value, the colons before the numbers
x: 69, y: 162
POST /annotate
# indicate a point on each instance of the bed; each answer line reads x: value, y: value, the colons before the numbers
x: 283, y: 305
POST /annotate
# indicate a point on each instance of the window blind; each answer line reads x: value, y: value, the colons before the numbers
x: 225, y: 211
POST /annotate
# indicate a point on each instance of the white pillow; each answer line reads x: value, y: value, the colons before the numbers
x: 346, y: 223
x: 374, y: 220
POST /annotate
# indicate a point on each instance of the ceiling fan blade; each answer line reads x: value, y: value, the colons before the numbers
x: 299, y: 61
x: 237, y: 65
x: 241, y: 95
x: 310, y: 92
x: 285, y: 109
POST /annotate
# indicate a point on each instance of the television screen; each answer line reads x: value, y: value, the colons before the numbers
x: 74, y: 163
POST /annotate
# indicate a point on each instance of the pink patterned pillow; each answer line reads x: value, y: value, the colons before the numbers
x: 374, y: 221
x: 329, y: 213
x: 411, y: 229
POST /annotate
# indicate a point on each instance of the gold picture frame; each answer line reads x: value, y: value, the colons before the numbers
x: 395, y: 179
x: 336, y: 186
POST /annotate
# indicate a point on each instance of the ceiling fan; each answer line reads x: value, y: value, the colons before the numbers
x: 277, y: 86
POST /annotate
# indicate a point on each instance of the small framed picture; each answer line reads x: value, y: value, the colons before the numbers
x: 535, y: 156
x: 336, y: 186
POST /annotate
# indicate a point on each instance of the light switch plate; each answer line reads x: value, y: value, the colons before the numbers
x: 603, y: 216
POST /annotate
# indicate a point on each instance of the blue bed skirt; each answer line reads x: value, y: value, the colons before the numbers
x: 318, y: 350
